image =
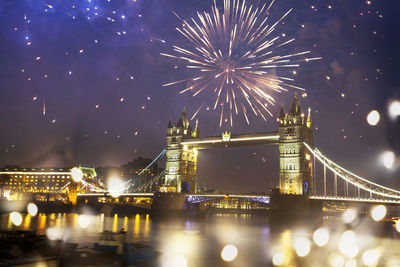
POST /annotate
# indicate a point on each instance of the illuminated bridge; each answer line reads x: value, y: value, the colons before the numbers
x: 298, y: 162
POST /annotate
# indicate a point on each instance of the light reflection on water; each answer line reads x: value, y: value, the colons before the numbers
x: 198, y: 240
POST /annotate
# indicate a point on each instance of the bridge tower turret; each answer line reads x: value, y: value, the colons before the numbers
x: 296, y: 166
x: 181, y: 161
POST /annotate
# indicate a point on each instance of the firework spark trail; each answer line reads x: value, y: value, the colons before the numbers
x: 234, y: 55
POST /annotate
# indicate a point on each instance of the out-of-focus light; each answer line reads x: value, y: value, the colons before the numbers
x: 76, y: 174
x: 394, y: 109
x: 302, y: 246
x: 321, y: 237
x: 32, y: 209
x: 54, y: 233
x: 229, y: 253
x: 179, y: 261
x: 16, y: 218
x: 115, y: 187
x: 370, y: 257
x: 278, y: 259
x: 336, y: 261
x: 83, y: 220
x: 350, y: 263
x: 378, y: 212
x: 347, y: 244
x: 349, y: 215
x: 398, y: 226
x: 388, y: 159
x: 373, y: 118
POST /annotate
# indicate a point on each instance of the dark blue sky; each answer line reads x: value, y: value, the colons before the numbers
x: 88, y: 60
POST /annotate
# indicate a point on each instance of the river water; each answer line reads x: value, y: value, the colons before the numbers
x: 199, y: 242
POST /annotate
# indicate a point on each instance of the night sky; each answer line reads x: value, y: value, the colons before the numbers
x: 95, y: 66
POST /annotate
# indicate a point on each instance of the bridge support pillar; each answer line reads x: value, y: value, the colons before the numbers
x: 181, y: 160
x: 335, y: 186
x: 296, y: 164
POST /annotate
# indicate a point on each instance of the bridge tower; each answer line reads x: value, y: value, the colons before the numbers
x: 181, y: 161
x: 296, y: 166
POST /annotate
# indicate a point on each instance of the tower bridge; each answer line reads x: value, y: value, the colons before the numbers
x: 298, y: 158
x: 296, y: 177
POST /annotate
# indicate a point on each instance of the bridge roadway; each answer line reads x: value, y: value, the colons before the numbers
x: 196, y: 198
x: 233, y: 140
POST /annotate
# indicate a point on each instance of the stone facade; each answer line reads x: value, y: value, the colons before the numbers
x: 296, y: 166
x: 181, y: 161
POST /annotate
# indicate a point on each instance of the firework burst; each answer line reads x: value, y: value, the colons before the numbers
x: 234, y: 55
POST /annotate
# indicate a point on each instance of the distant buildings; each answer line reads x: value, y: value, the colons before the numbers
x: 17, y: 182
x: 131, y: 170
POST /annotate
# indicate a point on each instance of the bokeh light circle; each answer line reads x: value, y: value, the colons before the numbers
x: 229, y: 252
x: 388, y: 159
x: 398, y: 226
x: 349, y: 215
x: 370, y: 257
x: 302, y: 246
x: 84, y: 220
x: 278, y: 259
x: 179, y: 261
x: 76, y: 174
x: 347, y: 244
x: 16, y: 218
x: 32, y: 209
x: 321, y: 237
x: 373, y: 118
x: 378, y: 212
x: 394, y: 109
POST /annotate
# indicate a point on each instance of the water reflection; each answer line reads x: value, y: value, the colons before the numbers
x: 191, y: 242
x: 200, y: 242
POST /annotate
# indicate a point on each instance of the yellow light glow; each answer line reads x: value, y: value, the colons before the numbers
x: 373, y: 118
x: 84, y: 220
x: 195, y: 151
x: 321, y: 237
x: 370, y: 257
x: 76, y: 174
x: 179, y: 261
x: 16, y: 218
x: 347, y: 244
x: 185, y: 147
x: 278, y: 259
x: 378, y: 212
x: 229, y: 253
x: 308, y: 156
x: 302, y: 246
x: 32, y: 209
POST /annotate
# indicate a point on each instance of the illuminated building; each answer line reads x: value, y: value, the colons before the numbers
x: 16, y: 181
x: 181, y: 161
x: 296, y: 171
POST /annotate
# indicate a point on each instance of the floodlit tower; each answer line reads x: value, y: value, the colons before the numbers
x: 296, y: 170
x: 181, y: 160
